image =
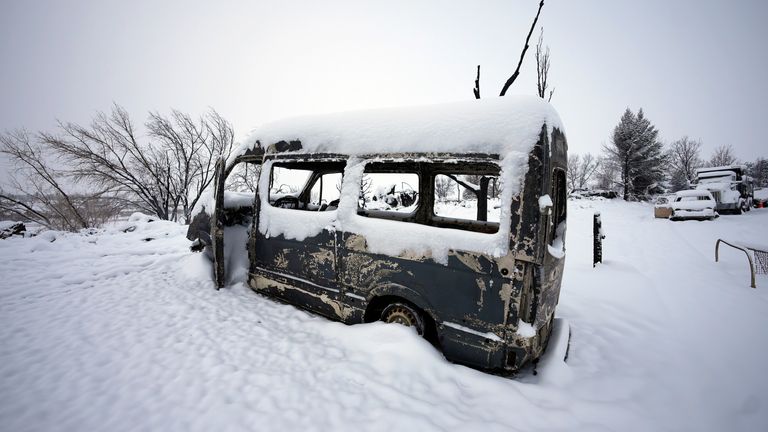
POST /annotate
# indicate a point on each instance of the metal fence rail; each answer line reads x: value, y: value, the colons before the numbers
x: 761, y: 256
x: 762, y: 260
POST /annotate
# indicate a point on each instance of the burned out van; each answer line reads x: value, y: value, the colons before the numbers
x: 447, y: 218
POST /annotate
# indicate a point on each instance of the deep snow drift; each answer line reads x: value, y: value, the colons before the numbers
x: 124, y: 331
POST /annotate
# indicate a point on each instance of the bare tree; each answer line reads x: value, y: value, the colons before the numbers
x: 195, y: 145
x: 684, y: 158
x: 495, y: 190
x: 109, y: 153
x: 160, y: 176
x: 542, y: 69
x: 581, y: 170
x: 573, y: 168
x: 43, y: 194
x: 723, y: 156
x: 607, y: 173
x: 442, y: 187
x: 366, y: 187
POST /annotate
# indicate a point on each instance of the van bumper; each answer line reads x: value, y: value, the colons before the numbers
x: 507, y: 354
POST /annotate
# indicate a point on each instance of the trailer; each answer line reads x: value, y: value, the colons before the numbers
x: 732, y: 189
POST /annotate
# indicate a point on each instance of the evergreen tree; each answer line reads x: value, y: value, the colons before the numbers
x: 758, y: 170
x: 637, y: 152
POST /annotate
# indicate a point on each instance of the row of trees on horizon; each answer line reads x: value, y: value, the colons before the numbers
x: 82, y: 176
x: 636, y: 163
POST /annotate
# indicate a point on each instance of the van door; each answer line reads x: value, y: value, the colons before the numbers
x: 231, y: 217
x: 300, y: 269
x: 217, y: 226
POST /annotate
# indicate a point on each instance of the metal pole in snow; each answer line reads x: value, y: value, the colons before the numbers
x: 597, y: 240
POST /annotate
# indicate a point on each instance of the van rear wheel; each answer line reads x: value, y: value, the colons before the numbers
x: 405, y: 314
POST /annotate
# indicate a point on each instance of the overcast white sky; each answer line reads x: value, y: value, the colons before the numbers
x: 697, y: 68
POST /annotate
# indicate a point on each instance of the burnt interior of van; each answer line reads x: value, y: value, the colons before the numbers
x: 463, y: 195
x: 309, y: 186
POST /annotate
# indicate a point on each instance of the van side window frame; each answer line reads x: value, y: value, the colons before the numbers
x: 559, y: 202
x: 451, y: 169
x: 321, y: 165
x: 405, y: 167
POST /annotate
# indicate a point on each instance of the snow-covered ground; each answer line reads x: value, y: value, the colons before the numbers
x: 123, y: 331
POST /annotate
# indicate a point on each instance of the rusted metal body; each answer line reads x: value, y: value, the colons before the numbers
x: 474, y: 305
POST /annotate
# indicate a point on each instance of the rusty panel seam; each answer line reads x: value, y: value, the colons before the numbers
x: 297, y: 279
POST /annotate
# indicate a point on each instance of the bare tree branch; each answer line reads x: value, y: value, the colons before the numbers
x: 476, y: 90
x: 165, y: 175
x: 42, y: 194
x: 723, y: 156
x: 684, y: 158
x: 522, y: 54
x: 542, y: 68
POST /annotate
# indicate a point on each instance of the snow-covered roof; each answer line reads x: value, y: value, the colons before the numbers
x: 729, y: 168
x: 715, y: 173
x: 693, y: 192
x: 496, y: 125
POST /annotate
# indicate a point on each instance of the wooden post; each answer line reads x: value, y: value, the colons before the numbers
x: 597, y: 240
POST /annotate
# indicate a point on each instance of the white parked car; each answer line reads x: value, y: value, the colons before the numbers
x: 693, y: 204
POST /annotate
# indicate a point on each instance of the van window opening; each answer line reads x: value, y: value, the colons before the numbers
x: 466, y: 196
x: 243, y: 178
x: 312, y: 186
x: 559, y: 193
x: 559, y: 206
x: 391, y: 192
x: 326, y: 192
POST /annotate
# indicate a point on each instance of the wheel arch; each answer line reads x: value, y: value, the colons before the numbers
x: 382, y: 296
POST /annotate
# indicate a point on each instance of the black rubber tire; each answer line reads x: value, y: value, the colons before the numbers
x: 404, y: 314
